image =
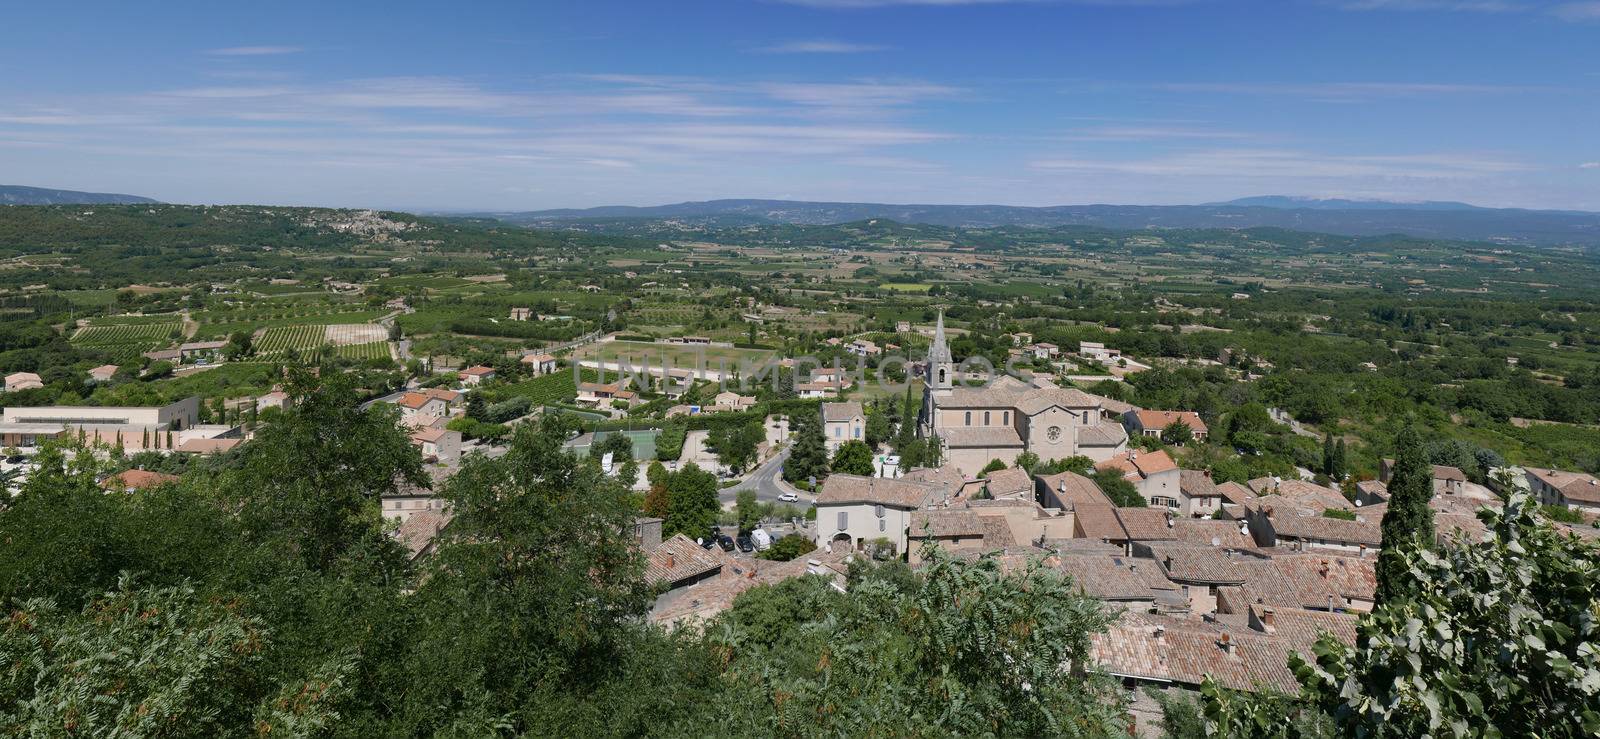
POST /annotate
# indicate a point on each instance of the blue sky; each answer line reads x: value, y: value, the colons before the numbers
x: 526, y: 105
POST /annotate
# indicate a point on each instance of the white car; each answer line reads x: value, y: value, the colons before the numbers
x: 789, y: 498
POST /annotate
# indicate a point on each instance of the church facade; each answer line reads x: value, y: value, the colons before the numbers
x: 1007, y: 417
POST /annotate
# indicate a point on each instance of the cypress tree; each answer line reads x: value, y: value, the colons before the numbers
x: 1409, y: 520
x: 809, y: 457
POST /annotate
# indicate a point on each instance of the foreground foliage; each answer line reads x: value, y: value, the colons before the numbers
x: 1493, y: 638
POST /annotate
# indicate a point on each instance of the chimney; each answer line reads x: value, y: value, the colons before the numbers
x: 1168, y: 562
x: 672, y: 561
x: 1226, y: 642
x: 1323, y: 569
x: 1208, y: 474
x: 1266, y: 617
x: 1161, y: 634
x: 1330, y: 603
x: 1169, y: 519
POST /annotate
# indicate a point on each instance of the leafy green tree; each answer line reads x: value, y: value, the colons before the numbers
x: 1177, y: 433
x: 853, y: 457
x: 808, y: 457
x: 992, y: 653
x: 788, y: 547
x: 1117, y: 488
x: 1027, y: 462
x: 1493, y: 638
x: 1408, y: 520
x: 313, y: 475
x: 135, y: 662
x: 883, y: 415
x: 994, y: 465
x: 748, y: 509
x: 538, y: 554
x: 692, y: 505
x: 736, y: 444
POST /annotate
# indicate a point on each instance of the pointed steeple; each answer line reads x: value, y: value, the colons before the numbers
x: 941, y: 366
x: 939, y: 352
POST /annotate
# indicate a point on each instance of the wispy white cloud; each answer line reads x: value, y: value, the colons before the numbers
x: 1589, y: 165
x: 255, y: 51
x: 854, y: 4
x: 847, y: 4
x: 1289, y: 164
x: 1343, y: 92
x: 821, y: 46
x: 1474, y: 6
x: 1149, y: 133
x: 1581, y: 11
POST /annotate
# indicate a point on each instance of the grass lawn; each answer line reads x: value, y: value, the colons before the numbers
x: 907, y: 287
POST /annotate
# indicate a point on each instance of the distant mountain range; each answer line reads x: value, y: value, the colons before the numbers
x: 20, y: 195
x: 1444, y: 220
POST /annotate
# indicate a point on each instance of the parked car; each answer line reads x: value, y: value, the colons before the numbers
x: 745, y: 544
x: 789, y: 498
x: 708, y: 542
x: 726, y: 542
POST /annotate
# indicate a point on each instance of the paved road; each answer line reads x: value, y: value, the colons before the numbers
x: 768, y: 483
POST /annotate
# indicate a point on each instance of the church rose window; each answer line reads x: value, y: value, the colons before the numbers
x: 1054, y: 433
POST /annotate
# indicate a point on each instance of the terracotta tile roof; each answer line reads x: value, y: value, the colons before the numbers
x: 679, y: 558
x: 1299, y: 495
x: 945, y: 523
x: 1009, y: 481
x: 1186, y: 650
x: 1144, y: 464
x: 841, y: 411
x: 417, y: 533
x: 1103, y: 434
x: 477, y: 371
x: 1112, y: 404
x: 1163, y: 419
x: 413, y: 400
x: 1146, y: 524
x: 1117, y: 578
x: 137, y: 480
x: 997, y: 532
x: 1205, y: 564
x: 1098, y: 522
x: 1074, y: 489
x: 980, y: 436
x: 841, y: 489
x: 1374, y: 489
x: 1578, y: 486
x: 1197, y: 484
x: 428, y: 435
x: 448, y: 396
x: 1316, y: 526
x: 1235, y: 493
x: 1203, y: 531
x: 1446, y: 472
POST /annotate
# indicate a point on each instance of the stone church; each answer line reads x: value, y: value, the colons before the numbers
x: 1007, y: 417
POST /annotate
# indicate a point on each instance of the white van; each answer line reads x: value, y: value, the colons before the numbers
x: 762, y: 539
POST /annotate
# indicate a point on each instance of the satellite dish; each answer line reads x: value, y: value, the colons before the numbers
x: 1216, y: 542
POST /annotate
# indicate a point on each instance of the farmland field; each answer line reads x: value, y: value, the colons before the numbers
x: 125, y: 342
x: 299, y: 338
x: 371, y: 350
